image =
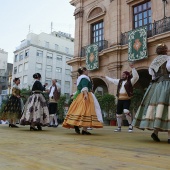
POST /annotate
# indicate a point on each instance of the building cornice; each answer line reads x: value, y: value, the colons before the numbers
x: 74, y: 2
x: 43, y: 48
x: 133, y: 2
x: 75, y: 60
x: 78, y: 13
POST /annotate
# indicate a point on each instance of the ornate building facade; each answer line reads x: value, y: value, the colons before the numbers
x: 107, y: 23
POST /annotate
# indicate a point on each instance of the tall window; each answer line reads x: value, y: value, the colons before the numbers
x: 20, y: 56
x: 49, y: 55
x: 68, y: 72
x: 67, y: 84
x: 142, y: 15
x: 16, y: 58
x: 59, y: 82
x: 38, y: 66
x: 26, y: 66
x: 25, y: 79
x: 49, y: 68
x: 58, y: 69
x: 26, y: 53
x: 97, y: 33
x: 39, y: 53
x: 59, y: 58
x: 15, y: 70
x: 20, y: 68
x: 48, y: 81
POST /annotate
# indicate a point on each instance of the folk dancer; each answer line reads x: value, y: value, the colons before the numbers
x: 124, y: 94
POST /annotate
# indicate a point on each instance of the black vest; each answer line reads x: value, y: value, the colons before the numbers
x: 128, y: 87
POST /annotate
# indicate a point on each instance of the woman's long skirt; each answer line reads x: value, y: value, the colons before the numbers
x: 154, y: 112
x: 84, y: 113
x: 12, y: 109
x: 36, y: 111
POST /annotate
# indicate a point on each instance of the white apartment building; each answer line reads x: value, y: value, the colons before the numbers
x: 3, y: 69
x: 46, y: 54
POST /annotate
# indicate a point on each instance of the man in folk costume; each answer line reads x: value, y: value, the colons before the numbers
x: 124, y: 94
x: 54, y: 96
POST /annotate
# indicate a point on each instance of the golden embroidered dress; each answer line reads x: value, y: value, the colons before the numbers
x: 13, y: 107
x: 84, y: 113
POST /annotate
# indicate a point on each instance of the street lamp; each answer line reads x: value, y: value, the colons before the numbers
x: 165, y: 2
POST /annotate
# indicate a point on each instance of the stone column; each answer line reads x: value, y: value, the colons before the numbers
x: 78, y: 33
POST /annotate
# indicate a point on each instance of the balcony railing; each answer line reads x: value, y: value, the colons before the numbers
x: 158, y: 27
x: 103, y: 44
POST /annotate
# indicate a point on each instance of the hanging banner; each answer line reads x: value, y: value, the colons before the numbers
x: 92, y: 59
x: 137, y: 44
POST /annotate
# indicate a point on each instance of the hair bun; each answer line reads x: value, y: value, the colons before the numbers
x: 15, y: 79
x: 37, y: 75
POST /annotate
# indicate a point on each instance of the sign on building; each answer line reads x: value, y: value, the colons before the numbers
x: 92, y: 59
x: 137, y: 44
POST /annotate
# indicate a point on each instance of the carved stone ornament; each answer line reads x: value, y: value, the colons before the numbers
x: 78, y: 13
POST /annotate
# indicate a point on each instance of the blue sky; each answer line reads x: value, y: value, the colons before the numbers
x: 17, y: 15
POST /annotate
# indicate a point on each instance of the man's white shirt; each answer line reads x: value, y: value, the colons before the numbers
x: 133, y: 80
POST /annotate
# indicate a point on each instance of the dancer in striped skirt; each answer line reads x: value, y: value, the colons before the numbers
x: 85, y: 110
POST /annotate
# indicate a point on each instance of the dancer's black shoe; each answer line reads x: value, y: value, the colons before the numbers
x: 39, y: 127
x: 85, y: 132
x: 77, y: 130
x: 13, y: 126
x: 155, y: 137
x: 33, y: 128
x: 55, y: 126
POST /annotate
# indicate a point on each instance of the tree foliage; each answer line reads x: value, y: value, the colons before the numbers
x: 61, y: 107
x: 136, y: 99
x: 107, y: 104
x: 25, y: 93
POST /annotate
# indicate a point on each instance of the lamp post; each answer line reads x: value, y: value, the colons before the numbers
x: 165, y: 2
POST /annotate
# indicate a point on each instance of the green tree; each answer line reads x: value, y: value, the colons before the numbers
x: 136, y: 99
x: 25, y: 93
x: 61, y: 107
x: 108, y: 105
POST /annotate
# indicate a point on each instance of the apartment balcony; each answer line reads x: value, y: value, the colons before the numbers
x: 103, y: 44
x: 158, y: 27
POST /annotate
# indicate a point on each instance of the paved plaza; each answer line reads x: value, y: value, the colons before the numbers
x: 62, y: 149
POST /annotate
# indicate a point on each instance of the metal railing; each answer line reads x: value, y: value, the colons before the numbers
x: 158, y: 27
x: 103, y: 44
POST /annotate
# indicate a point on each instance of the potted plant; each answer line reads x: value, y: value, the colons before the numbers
x: 107, y: 104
